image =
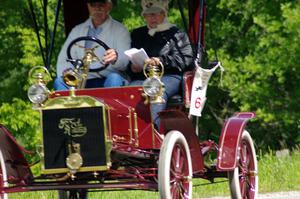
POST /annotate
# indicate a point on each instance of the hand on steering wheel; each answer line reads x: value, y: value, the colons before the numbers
x: 90, y: 57
x: 110, y: 56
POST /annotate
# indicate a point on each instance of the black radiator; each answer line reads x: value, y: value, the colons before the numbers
x: 83, y: 126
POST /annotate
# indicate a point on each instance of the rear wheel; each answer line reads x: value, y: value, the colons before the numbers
x: 175, y: 168
x: 3, y: 177
x: 243, y: 180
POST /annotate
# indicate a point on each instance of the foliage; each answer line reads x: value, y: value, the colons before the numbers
x: 19, y: 53
x: 260, y: 53
x: 127, y: 10
x: 257, y: 42
x: 129, y: 13
x: 22, y: 122
x: 11, y: 44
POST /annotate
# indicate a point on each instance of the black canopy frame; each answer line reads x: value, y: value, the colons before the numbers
x: 75, y: 12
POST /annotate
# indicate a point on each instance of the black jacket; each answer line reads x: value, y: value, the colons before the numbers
x: 172, y: 47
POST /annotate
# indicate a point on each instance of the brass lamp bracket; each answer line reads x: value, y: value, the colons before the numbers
x: 153, y: 73
x: 39, y: 74
x: 74, y: 160
x: 153, y: 70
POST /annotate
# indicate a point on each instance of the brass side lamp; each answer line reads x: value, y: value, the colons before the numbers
x: 153, y: 87
x: 38, y: 92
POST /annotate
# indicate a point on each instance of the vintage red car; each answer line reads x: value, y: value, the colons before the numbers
x: 104, y: 139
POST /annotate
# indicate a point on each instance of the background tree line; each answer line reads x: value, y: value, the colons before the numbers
x: 257, y: 41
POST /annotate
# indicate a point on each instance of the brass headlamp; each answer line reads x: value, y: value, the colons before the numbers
x: 153, y: 87
x: 38, y: 93
x: 77, y: 77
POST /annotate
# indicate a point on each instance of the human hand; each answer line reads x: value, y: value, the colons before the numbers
x: 153, y: 61
x: 110, y: 56
x: 136, y: 68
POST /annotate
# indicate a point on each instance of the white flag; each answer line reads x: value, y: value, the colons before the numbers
x: 199, y: 88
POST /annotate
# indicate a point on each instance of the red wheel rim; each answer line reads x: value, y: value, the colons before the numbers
x: 247, y: 171
x: 179, y: 172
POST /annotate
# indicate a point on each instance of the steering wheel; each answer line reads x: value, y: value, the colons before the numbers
x: 91, y: 50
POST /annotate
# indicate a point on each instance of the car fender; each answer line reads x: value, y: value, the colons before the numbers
x: 177, y: 120
x: 230, y: 138
x: 17, y: 167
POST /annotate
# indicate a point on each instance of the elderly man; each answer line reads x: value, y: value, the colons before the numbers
x: 99, y: 25
x: 164, y: 43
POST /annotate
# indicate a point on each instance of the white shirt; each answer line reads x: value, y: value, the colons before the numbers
x: 113, y: 33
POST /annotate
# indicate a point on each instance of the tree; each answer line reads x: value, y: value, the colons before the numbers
x: 261, y: 55
x: 257, y: 42
x: 19, y: 52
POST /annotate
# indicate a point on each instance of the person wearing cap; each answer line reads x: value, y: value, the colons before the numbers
x: 164, y: 43
x: 102, y: 26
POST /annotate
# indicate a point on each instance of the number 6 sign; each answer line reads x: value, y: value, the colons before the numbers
x: 198, y: 96
x: 198, y: 103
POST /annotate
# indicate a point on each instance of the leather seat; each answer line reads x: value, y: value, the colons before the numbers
x: 184, y: 95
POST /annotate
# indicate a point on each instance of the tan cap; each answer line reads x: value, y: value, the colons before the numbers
x: 98, y: 1
x: 154, y: 6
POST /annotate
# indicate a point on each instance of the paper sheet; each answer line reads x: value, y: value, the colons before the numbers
x: 137, y: 56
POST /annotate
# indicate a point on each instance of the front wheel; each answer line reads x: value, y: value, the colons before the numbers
x: 243, y: 180
x: 175, y: 168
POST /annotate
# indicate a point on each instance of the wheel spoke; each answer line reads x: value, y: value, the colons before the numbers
x: 243, y: 180
x: 184, y: 186
x: 243, y: 186
x: 251, y: 182
x: 177, y: 160
x: 172, y: 178
x: 181, y: 161
x: 178, y: 167
x: 250, y: 190
x: 174, y: 190
x: 249, y: 159
x: 252, y: 177
x: 180, y: 190
x: 244, y: 156
x: 241, y: 170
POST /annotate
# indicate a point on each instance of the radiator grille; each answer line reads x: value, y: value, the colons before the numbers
x: 84, y: 126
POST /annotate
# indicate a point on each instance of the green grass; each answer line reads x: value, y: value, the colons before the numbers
x: 279, y: 174
x: 275, y: 174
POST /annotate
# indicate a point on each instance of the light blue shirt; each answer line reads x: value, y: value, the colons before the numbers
x: 93, y: 32
x: 111, y: 32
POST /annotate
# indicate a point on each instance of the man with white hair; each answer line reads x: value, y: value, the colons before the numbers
x: 99, y: 25
x: 164, y: 43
